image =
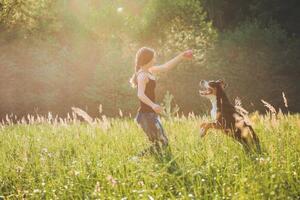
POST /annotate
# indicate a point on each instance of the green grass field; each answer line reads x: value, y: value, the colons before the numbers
x: 76, y: 160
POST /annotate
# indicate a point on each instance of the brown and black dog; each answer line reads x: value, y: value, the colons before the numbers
x: 226, y: 117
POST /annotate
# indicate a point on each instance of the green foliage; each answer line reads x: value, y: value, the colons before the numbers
x: 285, y: 13
x: 109, y: 85
x: 79, y: 161
x: 27, y: 16
x: 160, y: 14
x: 57, y: 54
x: 228, y: 14
x: 258, y: 63
x: 175, y: 25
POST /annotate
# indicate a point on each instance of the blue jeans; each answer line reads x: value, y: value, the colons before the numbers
x: 151, y: 125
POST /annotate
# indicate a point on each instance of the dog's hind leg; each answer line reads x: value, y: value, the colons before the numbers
x: 255, y: 140
x: 246, y: 146
x: 256, y: 143
x: 243, y: 139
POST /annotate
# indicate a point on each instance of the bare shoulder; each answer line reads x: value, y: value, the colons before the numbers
x: 156, y: 69
x: 142, y: 77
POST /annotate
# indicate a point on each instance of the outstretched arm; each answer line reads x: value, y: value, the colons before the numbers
x: 171, y: 63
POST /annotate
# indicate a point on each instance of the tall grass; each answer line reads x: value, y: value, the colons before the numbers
x: 52, y: 158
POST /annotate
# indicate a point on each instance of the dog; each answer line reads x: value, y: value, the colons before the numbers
x: 226, y: 117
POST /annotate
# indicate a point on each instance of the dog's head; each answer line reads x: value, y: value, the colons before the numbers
x: 210, y: 89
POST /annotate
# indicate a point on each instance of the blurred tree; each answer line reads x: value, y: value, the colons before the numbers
x: 27, y: 16
x: 228, y: 14
x: 285, y: 13
x: 57, y: 54
x: 258, y: 62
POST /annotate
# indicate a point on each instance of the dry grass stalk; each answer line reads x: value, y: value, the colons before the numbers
x: 270, y: 107
x: 237, y: 101
x: 100, y: 109
x: 38, y: 119
x: 30, y: 119
x: 120, y: 113
x: 191, y: 115
x: 55, y: 120
x: 273, y: 113
x: 285, y: 100
x: 49, y: 118
x: 105, y: 123
x: 68, y: 117
x: 63, y: 121
x: 239, y: 108
x: 23, y: 120
x: 83, y: 114
x: 7, y: 119
x: 74, y: 117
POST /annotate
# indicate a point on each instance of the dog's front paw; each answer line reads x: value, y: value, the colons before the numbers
x: 202, y: 132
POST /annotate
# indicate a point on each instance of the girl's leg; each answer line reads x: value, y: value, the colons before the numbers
x: 160, y: 132
x: 151, y: 125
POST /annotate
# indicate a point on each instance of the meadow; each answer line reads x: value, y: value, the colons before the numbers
x: 51, y: 158
x: 55, y: 54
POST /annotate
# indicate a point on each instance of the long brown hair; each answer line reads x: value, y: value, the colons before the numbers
x: 143, y: 56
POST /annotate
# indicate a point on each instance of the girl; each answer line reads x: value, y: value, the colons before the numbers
x: 145, y: 81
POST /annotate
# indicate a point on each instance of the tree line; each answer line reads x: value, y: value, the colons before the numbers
x: 58, y: 54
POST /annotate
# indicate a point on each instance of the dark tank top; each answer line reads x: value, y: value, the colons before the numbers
x: 150, y: 93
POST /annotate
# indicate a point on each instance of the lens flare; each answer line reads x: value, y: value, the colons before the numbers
x: 120, y: 9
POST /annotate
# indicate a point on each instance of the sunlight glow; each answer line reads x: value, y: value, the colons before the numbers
x: 120, y: 9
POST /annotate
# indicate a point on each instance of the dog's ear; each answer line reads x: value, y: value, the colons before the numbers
x: 222, y: 82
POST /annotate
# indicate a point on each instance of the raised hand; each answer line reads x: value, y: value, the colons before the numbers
x: 187, y: 54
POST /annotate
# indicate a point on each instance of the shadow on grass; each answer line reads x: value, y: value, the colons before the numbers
x: 165, y: 158
x: 163, y: 155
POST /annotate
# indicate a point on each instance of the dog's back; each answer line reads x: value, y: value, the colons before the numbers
x: 228, y: 118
